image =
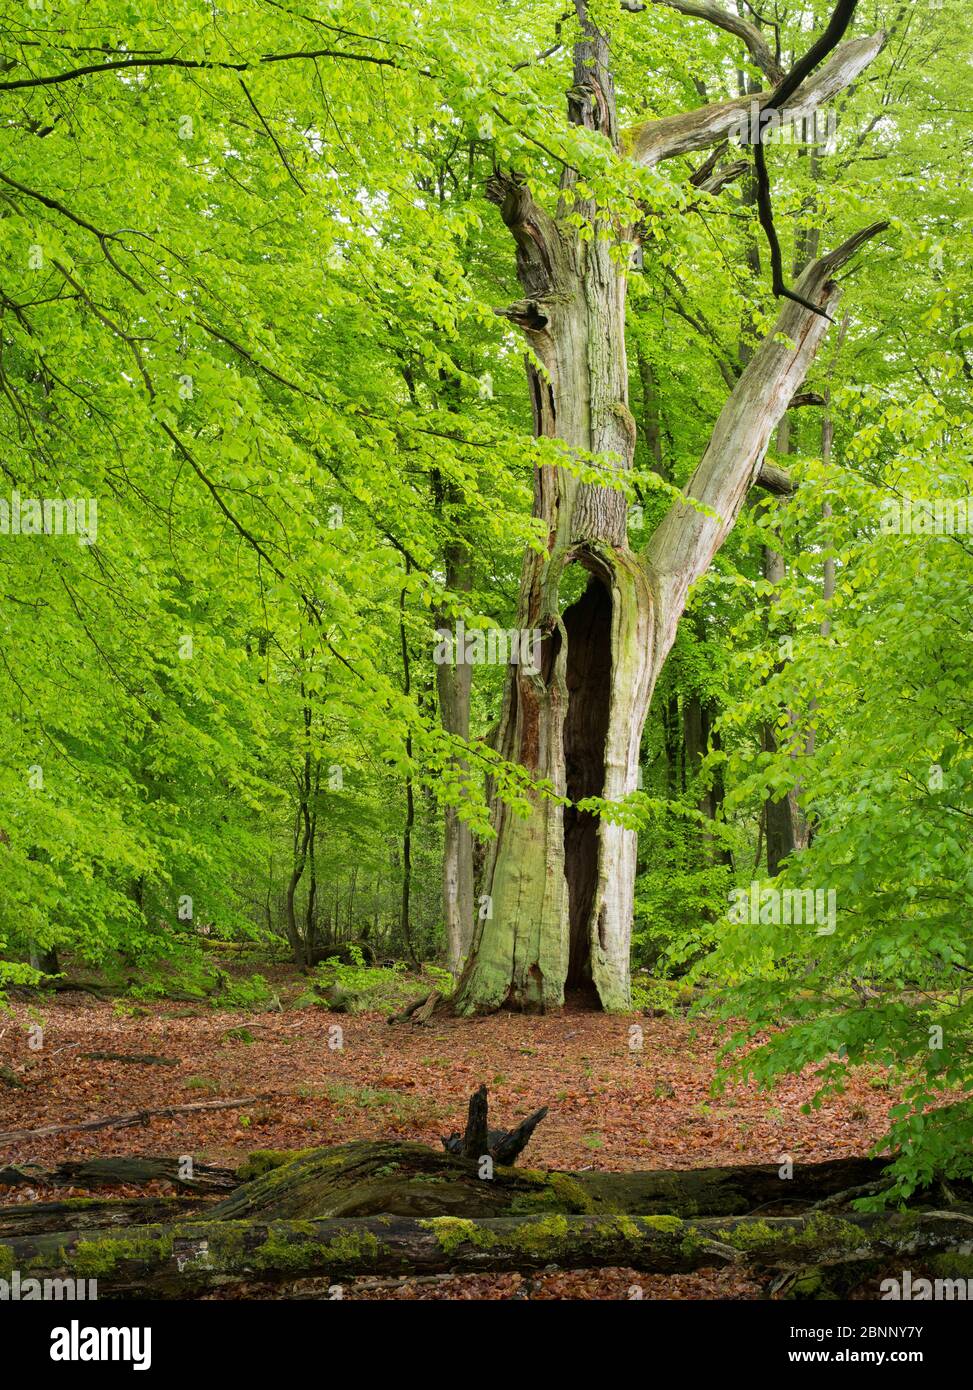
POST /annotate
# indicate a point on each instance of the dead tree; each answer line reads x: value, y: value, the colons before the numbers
x: 560, y: 880
x: 501, y: 1145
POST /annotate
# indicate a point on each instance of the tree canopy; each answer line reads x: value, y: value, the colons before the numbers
x: 267, y: 435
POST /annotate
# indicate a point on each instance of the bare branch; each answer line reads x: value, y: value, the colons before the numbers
x: 121, y: 64
x: 652, y: 141
x: 277, y: 145
x: 690, y: 534
x: 837, y: 25
x: 718, y: 181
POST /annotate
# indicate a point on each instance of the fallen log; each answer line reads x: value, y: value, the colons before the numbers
x: 211, y: 943
x: 121, y: 1172
x: 134, y: 1117
x: 405, y: 1014
x: 182, y: 1258
x: 404, y: 1179
x: 36, y: 1218
x: 56, y: 985
x: 419, y: 1011
x: 366, y: 1178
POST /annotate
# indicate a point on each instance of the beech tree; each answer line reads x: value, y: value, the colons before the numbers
x: 559, y: 880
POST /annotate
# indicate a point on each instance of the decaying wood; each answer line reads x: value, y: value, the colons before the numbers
x: 507, y: 1148
x: 100, y: 991
x: 425, y: 1012
x: 367, y: 1178
x: 398, y: 1208
x: 121, y: 1171
x: 686, y: 540
x: 476, y: 1138
x: 134, y: 1117
x: 37, y: 1218
x: 560, y: 879
x: 774, y: 479
x: 419, y: 1011
x: 577, y: 726
x: 405, y: 1014
x: 479, y: 1141
x: 652, y: 141
x: 181, y: 1258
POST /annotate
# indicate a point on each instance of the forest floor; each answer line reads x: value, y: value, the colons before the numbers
x: 612, y: 1107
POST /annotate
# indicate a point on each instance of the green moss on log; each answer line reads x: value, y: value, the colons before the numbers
x: 263, y: 1161
x: 93, y: 1259
x: 820, y: 1232
x: 550, y: 1192
x: 453, y: 1231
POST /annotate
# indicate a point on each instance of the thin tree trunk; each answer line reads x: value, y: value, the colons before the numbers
x: 405, y: 906
x: 454, y: 684
x: 44, y: 959
x: 780, y: 813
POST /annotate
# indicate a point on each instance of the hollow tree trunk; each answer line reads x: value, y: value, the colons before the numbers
x: 560, y: 882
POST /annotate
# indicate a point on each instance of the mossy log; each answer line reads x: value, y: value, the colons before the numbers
x: 394, y: 1208
x: 182, y: 1258
x: 401, y: 1179
x: 115, y: 1171
x: 78, y: 1213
